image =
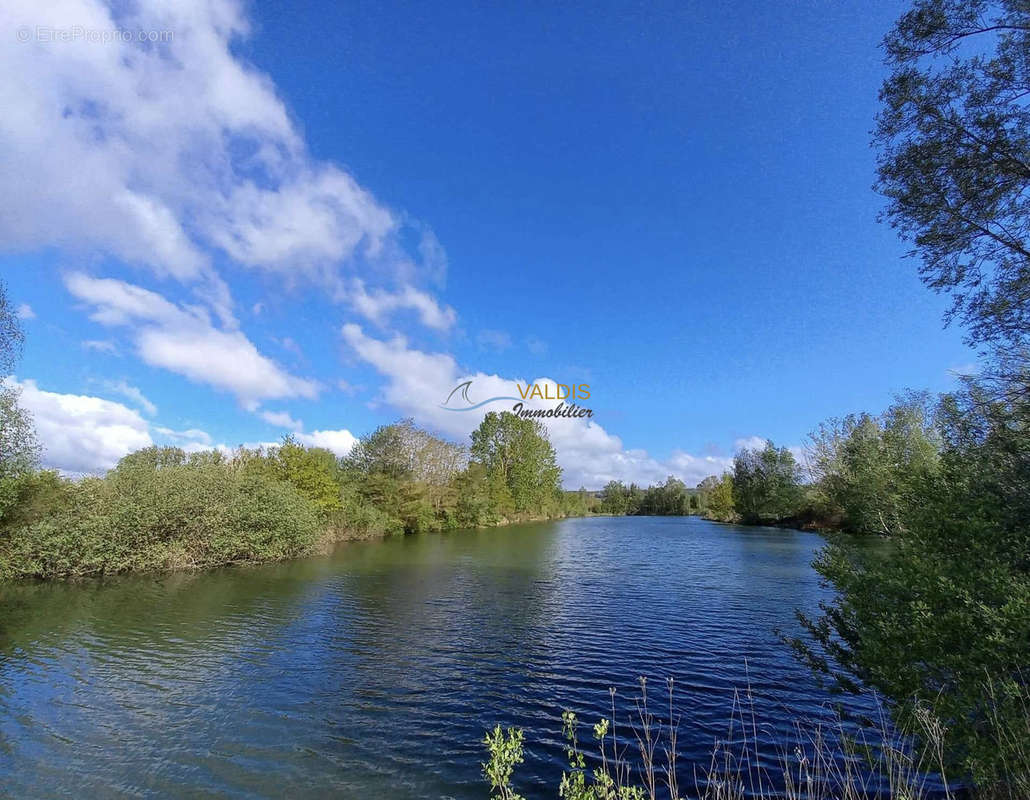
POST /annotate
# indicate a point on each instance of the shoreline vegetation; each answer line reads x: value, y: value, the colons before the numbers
x: 162, y: 509
x: 634, y: 756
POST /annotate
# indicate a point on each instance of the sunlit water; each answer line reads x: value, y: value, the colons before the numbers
x: 374, y: 672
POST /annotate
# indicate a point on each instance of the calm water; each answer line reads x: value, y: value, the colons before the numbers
x: 375, y: 671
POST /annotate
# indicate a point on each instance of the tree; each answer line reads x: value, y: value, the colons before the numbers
x: 766, y: 484
x: 313, y: 471
x: 11, y: 336
x: 668, y: 499
x: 19, y: 449
x: 943, y: 617
x: 519, y: 459
x: 615, y: 499
x: 406, y: 452
x: 717, y: 497
x: 867, y: 468
x: 954, y: 162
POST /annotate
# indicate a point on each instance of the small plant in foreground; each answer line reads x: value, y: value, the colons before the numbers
x: 505, y: 751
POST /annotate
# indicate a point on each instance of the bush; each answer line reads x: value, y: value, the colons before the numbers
x: 145, y: 517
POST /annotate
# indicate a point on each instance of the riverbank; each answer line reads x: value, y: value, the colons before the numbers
x: 196, y: 517
x: 162, y: 509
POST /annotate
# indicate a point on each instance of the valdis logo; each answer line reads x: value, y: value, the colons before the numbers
x: 459, y: 400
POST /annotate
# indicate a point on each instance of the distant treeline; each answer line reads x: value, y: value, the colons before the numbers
x: 859, y: 474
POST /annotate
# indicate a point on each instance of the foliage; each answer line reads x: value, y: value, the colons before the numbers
x: 520, y: 462
x: 157, y: 511
x: 766, y: 484
x: 162, y: 508
x: 717, y: 497
x: 313, y: 471
x: 11, y: 336
x: 505, y: 751
x: 945, y: 611
x: 954, y: 163
x: 671, y: 498
x: 19, y: 449
x: 869, y: 468
x: 406, y: 452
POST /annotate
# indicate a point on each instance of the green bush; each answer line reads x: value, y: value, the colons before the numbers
x: 148, y: 517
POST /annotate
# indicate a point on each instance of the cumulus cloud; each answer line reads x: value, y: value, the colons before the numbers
x: 185, y: 341
x: 418, y: 383
x: 82, y: 434
x: 339, y: 442
x: 133, y: 393
x: 173, y: 154
x: 281, y: 419
x: 25, y: 312
x: 749, y: 443
x: 379, y: 304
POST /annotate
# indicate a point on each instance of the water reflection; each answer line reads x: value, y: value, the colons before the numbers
x: 374, y: 671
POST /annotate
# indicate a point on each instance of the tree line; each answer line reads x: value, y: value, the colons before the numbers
x: 162, y: 508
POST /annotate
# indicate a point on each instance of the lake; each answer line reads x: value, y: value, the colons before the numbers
x: 375, y: 671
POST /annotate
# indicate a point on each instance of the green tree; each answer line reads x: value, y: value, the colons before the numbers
x: 19, y: 449
x: 954, y: 161
x: 519, y: 460
x: 614, y: 498
x: 766, y: 484
x: 313, y: 471
x: 941, y: 616
x: 11, y: 335
x: 717, y: 497
x: 868, y: 468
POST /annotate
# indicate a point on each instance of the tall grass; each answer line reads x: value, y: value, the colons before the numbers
x: 903, y: 758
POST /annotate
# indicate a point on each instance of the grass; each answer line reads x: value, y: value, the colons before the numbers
x: 820, y: 761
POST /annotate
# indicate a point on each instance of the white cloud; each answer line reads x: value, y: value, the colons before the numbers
x: 184, y: 341
x: 164, y: 154
x: 749, y: 443
x: 379, y: 304
x: 192, y: 435
x: 418, y: 383
x: 25, y: 312
x: 339, y: 442
x: 132, y: 393
x: 281, y: 419
x: 82, y: 434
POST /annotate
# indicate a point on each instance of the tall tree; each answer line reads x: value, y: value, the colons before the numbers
x: 404, y: 451
x: 11, y: 336
x: 954, y: 163
x: 518, y: 458
x: 19, y: 449
x: 868, y: 468
x: 942, y: 617
x: 766, y: 484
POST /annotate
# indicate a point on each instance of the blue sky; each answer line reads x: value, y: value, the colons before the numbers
x: 319, y: 218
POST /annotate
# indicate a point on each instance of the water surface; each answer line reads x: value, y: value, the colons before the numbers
x: 374, y: 672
